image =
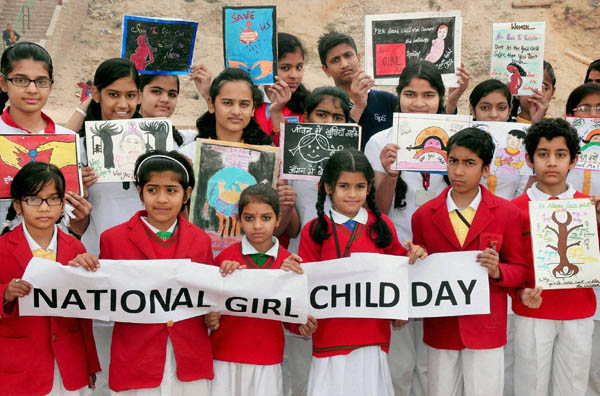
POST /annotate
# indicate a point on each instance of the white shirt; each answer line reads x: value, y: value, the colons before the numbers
x: 474, y: 203
x: 361, y: 217
x: 247, y: 248
x: 535, y: 194
x: 33, y: 245
x: 156, y: 230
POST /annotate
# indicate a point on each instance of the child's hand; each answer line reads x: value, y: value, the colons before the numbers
x: 16, y: 288
x: 287, y: 195
x: 399, y: 323
x: 388, y: 158
x: 228, y: 266
x: 454, y: 94
x: 81, y: 206
x: 532, y: 298
x: 309, y: 327
x: 538, y: 106
x: 489, y: 259
x: 92, y: 381
x: 596, y: 202
x: 415, y: 252
x: 292, y: 263
x: 202, y: 77
x: 87, y: 261
x: 280, y: 95
x: 211, y: 320
x: 359, y: 89
x: 88, y: 177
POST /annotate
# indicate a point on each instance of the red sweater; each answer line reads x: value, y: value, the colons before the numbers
x: 264, y: 120
x: 562, y: 304
x: 231, y: 341
x: 340, y: 336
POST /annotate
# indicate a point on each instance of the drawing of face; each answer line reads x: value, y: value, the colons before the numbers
x: 133, y: 145
x: 342, y: 63
x: 314, y: 148
x: 512, y: 69
x: 141, y: 40
x: 442, y: 32
x: 290, y: 68
x: 159, y: 97
x: 513, y: 142
x: 233, y: 108
x: 419, y: 97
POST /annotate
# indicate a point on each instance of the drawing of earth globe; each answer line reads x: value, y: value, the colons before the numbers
x: 225, y: 187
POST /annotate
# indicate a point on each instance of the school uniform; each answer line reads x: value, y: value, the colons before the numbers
x: 174, y: 356
x: 262, y: 115
x: 41, y: 355
x: 466, y: 351
x: 378, y: 115
x: 553, y: 341
x: 349, y: 354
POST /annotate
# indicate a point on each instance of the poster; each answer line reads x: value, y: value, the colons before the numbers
x: 61, y: 150
x: 423, y: 138
x: 250, y: 41
x: 223, y: 170
x: 564, y: 236
x: 394, y: 40
x: 518, y: 55
x: 158, y: 46
x: 509, y: 156
x: 588, y: 130
x: 114, y: 146
x: 305, y: 148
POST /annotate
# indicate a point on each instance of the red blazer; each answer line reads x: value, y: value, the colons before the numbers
x: 496, y: 221
x: 138, y: 351
x: 30, y: 344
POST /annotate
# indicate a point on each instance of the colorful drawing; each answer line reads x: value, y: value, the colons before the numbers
x: 61, y: 150
x: 249, y: 41
x: 114, y: 146
x: 143, y: 55
x: 509, y: 156
x: 437, y: 45
x: 223, y: 170
x: 564, y: 237
x: 516, y: 77
x: 588, y: 130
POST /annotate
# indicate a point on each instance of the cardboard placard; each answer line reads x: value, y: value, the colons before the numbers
x: 509, y: 156
x: 588, y: 130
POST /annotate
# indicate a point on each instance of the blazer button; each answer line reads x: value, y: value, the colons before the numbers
x: 170, y: 323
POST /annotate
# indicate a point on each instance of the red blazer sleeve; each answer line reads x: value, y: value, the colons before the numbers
x: 512, y: 265
x: 395, y: 248
x: 416, y: 230
x: 309, y: 250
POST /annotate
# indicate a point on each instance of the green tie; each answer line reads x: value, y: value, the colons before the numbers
x: 164, y: 235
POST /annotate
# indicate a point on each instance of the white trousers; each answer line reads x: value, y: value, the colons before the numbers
x: 469, y: 372
x: 552, y: 356
x: 408, y: 359
x: 295, y: 367
x: 103, y: 338
x: 594, y: 382
x: 509, y: 355
x: 58, y: 388
x: 237, y: 379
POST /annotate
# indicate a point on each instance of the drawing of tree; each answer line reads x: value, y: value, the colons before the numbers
x: 105, y: 132
x: 160, y: 131
x: 564, y: 269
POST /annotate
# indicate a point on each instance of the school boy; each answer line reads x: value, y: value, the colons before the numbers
x: 466, y: 352
x: 553, y: 342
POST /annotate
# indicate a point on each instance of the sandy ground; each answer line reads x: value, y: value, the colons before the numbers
x: 570, y: 24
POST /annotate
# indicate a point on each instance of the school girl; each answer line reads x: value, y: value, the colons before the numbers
x: 593, y: 73
x: 350, y: 355
x: 530, y: 109
x: 40, y: 355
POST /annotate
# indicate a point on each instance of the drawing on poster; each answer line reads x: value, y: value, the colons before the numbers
x: 588, y: 130
x: 305, y: 148
x: 250, y: 41
x: 61, y: 150
x: 392, y: 41
x: 223, y: 170
x: 509, y: 155
x: 565, y: 243
x: 114, y: 146
x: 158, y: 46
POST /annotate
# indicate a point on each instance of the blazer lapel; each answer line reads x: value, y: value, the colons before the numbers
x: 65, y: 251
x: 483, y: 217
x: 137, y: 235
x: 21, y: 251
x: 184, y: 242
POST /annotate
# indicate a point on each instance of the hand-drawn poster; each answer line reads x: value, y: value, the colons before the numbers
x: 158, y: 46
x: 223, y: 170
x: 518, y: 55
x: 564, y: 236
x: 509, y: 156
x: 588, y: 130
x: 114, y: 146
x: 61, y: 150
x: 423, y: 138
x: 305, y: 148
x: 392, y: 41
x: 250, y: 41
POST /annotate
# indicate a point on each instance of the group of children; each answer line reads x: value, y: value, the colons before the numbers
x: 360, y: 204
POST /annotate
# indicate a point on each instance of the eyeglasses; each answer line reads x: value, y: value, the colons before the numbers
x: 587, y: 109
x: 37, y: 201
x: 24, y: 82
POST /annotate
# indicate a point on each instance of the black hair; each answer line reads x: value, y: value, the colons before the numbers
x: 262, y: 193
x: 25, y: 50
x: 549, y: 128
x: 548, y: 68
x: 349, y: 161
x: 332, y: 39
x: 595, y: 65
x: 146, y: 79
x: 286, y: 44
x: 339, y: 96
x: 207, y: 123
x: 517, y: 133
x: 485, y: 88
x: 29, y: 181
x: 516, y: 105
x: 473, y: 139
x: 578, y: 94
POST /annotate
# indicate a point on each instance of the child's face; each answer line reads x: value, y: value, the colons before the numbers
x: 290, y: 69
x: 233, y: 107
x: 159, y: 98
x: 551, y: 161
x: 591, y: 101
x: 342, y: 63
x: 594, y: 77
x: 41, y: 218
x: 329, y: 111
x: 547, y: 87
x: 163, y: 196
x: 492, y: 107
x: 118, y: 100
x: 29, y: 99
x: 349, y: 193
x: 258, y: 222
x: 419, y: 97
x: 465, y: 169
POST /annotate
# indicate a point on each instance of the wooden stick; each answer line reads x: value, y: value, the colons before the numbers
x: 578, y: 57
x: 530, y: 3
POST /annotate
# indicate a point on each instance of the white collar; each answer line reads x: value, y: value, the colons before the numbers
x: 474, y: 203
x: 247, y: 248
x: 33, y: 245
x: 156, y: 230
x: 535, y: 194
x: 361, y: 217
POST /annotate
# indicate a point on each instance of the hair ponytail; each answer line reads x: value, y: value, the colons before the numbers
x: 319, y: 229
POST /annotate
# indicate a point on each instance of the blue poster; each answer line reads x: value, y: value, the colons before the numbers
x: 249, y: 41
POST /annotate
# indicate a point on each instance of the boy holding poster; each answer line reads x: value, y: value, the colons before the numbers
x: 466, y: 352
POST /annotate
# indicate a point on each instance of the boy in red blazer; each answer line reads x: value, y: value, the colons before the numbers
x: 467, y: 351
